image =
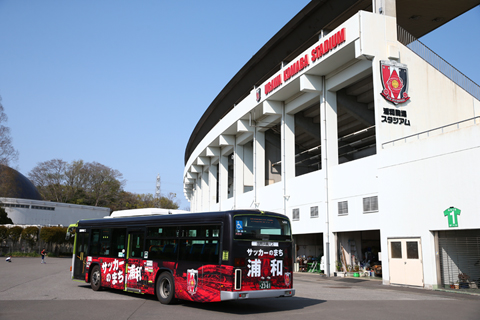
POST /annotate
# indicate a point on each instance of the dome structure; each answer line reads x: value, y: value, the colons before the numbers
x: 13, y: 184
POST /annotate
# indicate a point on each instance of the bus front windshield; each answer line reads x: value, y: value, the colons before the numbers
x: 262, y: 228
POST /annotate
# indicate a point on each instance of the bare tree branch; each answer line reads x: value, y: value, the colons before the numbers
x: 8, y: 154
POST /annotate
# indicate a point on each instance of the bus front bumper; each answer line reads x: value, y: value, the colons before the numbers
x: 240, y: 295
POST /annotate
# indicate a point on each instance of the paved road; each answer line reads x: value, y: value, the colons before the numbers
x: 30, y: 290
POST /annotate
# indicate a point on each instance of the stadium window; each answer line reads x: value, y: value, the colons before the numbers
x: 342, y: 208
x: 296, y: 214
x: 314, y: 212
x: 370, y: 204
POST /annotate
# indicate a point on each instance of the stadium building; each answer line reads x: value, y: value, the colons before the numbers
x: 366, y: 139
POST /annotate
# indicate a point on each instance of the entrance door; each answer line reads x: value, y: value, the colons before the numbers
x: 405, y: 260
x: 81, y: 252
x: 135, y: 261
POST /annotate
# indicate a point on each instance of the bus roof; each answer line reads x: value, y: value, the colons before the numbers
x: 144, y: 212
x: 187, y: 218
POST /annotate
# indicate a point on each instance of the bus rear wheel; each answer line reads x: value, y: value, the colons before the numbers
x: 166, y: 288
x: 96, y: 279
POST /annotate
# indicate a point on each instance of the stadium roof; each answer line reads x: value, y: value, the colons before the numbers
x: 416, y: 17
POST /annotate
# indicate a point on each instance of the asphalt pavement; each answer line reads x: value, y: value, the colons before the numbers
x: 31, y: 290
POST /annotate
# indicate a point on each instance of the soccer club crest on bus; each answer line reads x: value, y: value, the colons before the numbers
x: 192, y: 281
x: 394, y: 81
x: 288, y: 279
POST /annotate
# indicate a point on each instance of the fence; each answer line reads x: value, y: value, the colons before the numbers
x: 9, y: 245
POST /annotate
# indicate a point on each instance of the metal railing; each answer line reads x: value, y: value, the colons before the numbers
x: 427, y: 132
x: 437, y: 62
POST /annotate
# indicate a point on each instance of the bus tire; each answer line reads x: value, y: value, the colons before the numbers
x: 96, y: 278
x: 166, y: 288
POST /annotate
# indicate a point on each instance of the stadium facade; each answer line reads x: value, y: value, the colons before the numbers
x: 366, y: 139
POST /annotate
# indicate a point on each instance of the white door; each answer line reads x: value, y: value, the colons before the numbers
x: 405, y: 260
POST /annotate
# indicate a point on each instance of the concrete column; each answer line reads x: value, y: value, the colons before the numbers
x: 386, y: 7
x: 212, y: 183
x: 198, y: 195
x: 329, y: 142
x: 237, y: 173
x: 223, y: 178
x: 193, y: 199
x: 248, y: 167
x: 258, y: 164
x: 205, y: 189
x: 329, y: 130
x: 287, y: 154
x: 288, y: 151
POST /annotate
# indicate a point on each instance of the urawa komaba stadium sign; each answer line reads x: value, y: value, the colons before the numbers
x: 303, y: 62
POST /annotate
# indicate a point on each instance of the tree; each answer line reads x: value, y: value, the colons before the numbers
x: 76, y: 177
x: 104, y: 183
x: 53, y: 235
x: 169, y: 201
x: 4, y: 219
x: 49, y: 178
x: 125, y: 200
x: 91, y: 183
x: 3, y: 234
x: 30, y: 235
x: 78, y: 182
x: 14, y: 234
x: 7, y: 153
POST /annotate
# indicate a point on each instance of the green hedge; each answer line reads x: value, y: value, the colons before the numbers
x: 24, y: 254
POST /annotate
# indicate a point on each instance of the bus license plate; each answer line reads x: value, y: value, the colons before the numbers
x: 265, y: 285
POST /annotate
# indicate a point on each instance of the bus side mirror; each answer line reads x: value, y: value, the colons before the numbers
x: 70, y: 233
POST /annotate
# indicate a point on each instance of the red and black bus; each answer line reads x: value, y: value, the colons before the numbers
x: 204, y: 257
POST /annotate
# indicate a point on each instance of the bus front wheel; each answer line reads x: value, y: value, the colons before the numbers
x: 166, y: 288
x: 96, y: 279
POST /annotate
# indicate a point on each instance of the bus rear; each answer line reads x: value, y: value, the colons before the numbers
x: 262, y: 256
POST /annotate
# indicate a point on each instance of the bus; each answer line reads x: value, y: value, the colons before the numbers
x: 202, y: 257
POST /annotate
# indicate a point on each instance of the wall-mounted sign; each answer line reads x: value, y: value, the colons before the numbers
x: 318, y: 52
x: 395, y: 116
x: 452, y: 213
x: 394, y: 81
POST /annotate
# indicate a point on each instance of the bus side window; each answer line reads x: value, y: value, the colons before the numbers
x: 95, y: 243
x: 210, y: 252
x: 169, y: 251
x: 105, y: 242
x: 118, y: 243
x: 200, y: 245
x: 161, y: 243
x: 136, y: 245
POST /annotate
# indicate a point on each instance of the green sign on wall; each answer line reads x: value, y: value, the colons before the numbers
x: 452, y: 213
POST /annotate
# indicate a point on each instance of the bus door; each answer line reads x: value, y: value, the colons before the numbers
x: 81, y: 252
x: 135, y: 262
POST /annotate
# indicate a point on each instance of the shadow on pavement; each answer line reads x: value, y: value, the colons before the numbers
x: 257, y: 306
x: 239, y: 307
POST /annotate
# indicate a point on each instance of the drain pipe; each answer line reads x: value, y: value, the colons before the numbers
x: 234, y: 187
x: 255, y: 189
x: 325, y: 162
x: 284, y: 175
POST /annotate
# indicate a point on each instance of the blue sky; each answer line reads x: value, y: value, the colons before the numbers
x: 124, y: 83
